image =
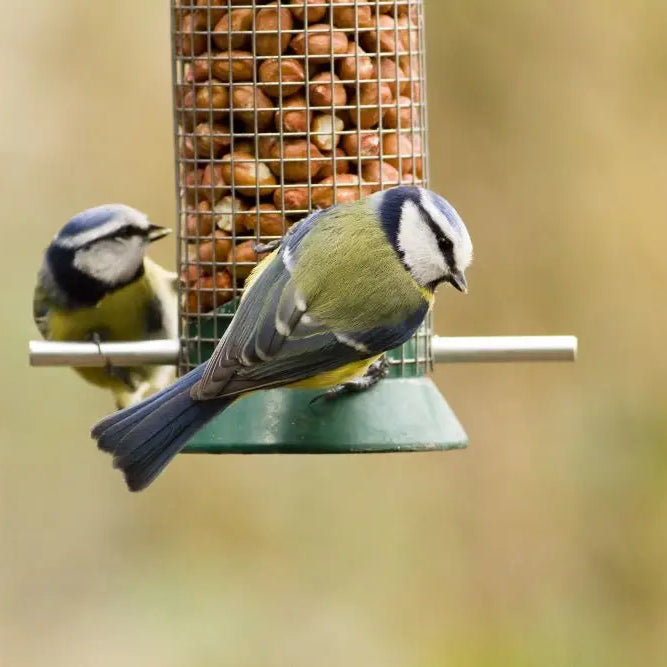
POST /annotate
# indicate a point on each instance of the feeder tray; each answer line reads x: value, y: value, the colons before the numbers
x: 397, y: 415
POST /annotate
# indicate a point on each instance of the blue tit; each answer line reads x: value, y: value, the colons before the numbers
x: 96, y: 284
x: 346, y: 284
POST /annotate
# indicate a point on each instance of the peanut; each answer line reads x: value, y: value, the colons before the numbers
x: 216, y: 250
x: 404, y: 9
x: 402, y: 116
x: 245, y: 258
x: 344, y: 17
x: 228, y: 214
x: 248, y: 174
x: 284, y: 77
x: 292, y: 115
x: 265, y: 146
x: 233, y: 30
x: 190, y: 40
x: 326, y: 90
x: 385, y: 6
x: 358, y: 65
x: 408, y: 37
x: 320, y: 43
x: 382, y: 38
x: 199, y: 222
x: 250, y: 105
x: 372, y: 97
x: 212, y: 184
x: 244, y: 146
x: 392, y: 76
x: 208, y: 99
x: 234, y: 66
x: 362, y: 144
x: 196, y: 71
x: 338, y: 189
x: 297, y: 156
x: 209, y: 292
x: 295, y: 198
x: 411, y: 67
x: 327, y: 128
x: 211, y: 140
x: 264, y: 219
x: 400, y: 143
x: 190, y: 273
x: 379, y: 175
x: 337, y: 160
x: 211, y: 10
x: 191, y: 182
x: 277, y: 20
x: 308, y: 11
x: 186, y: 148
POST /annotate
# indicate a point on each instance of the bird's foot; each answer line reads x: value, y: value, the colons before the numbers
x: 121, y: 374
x: 267, y: 247
x: 374, y: 373
x: 95, y: 337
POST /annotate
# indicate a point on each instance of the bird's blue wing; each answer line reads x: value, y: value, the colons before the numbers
x: 272, y: 340
x: 40, y: 310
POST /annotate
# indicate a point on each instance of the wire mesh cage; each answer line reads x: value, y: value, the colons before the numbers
x: 281, y: 109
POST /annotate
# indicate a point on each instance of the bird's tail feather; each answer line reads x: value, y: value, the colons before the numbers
x: 145, y: 437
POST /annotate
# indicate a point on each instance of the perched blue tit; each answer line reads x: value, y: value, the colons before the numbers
x: 96, y: 284
x: 345, y: 285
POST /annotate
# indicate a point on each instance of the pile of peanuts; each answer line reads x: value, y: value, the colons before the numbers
x: 285, y: 107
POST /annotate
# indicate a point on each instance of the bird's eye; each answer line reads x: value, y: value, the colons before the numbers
x: 125, y: 233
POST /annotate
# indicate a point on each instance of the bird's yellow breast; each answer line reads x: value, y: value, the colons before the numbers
x: 336, y: 376
x: 118, y: 316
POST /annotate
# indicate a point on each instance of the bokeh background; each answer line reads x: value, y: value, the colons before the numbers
x: 544, y: 543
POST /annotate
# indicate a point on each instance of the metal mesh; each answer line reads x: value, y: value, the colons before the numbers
x: 264, y: 134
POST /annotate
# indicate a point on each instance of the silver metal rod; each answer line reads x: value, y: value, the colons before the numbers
x: 453, y: 349
x: 457, y: 349
x: 136, y: 353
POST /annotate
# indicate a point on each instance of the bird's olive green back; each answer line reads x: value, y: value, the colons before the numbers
x: 349, y: 273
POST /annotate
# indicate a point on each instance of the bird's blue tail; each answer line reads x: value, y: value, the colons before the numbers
x: 145, y: 437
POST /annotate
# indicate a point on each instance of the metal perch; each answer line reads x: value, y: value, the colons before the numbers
x: 446, y: 349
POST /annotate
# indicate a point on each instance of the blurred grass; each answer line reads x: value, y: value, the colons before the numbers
x: 543, y: 544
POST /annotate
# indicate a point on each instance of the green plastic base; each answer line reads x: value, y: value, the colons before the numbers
x: 397, y: 415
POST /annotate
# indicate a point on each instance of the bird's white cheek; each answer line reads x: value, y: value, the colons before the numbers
x: 108, y: 263
x: 419, y: 247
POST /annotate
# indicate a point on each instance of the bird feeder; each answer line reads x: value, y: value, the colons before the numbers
x: 281, y: 109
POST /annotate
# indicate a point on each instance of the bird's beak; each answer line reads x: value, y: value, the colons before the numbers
x: 458, y: 280
x: 156, y: 232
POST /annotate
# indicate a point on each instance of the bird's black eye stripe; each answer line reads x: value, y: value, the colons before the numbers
x: 124, y: 232
x: 445, y: 244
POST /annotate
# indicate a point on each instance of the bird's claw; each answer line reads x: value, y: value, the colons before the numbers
x: 267, y: 247
x: 376, y: 371
x: 121, y: 374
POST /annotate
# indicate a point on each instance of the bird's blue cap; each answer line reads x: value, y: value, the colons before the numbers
x: 447, y: 210
x: 90, y: 219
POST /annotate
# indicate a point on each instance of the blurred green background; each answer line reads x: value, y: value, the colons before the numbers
x: 544, y: 543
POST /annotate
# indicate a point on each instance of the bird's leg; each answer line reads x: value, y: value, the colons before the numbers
x: 121, y: 374
x: 267, y: 247
x: 97, y: 339
x: 378, y: 370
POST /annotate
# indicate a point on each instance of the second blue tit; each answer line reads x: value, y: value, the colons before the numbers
x: 96, y: 284
x: 347, y: 284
